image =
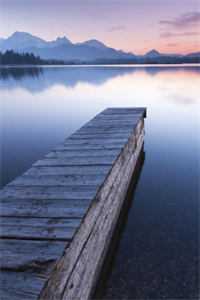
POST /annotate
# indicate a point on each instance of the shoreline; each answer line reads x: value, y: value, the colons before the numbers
x: 101, y: 65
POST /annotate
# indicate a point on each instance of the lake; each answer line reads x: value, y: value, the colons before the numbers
x: 157, y: 255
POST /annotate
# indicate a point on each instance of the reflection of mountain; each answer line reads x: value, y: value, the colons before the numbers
x: 40, y: 78
x: 46, y: 77
x: 154, y: 70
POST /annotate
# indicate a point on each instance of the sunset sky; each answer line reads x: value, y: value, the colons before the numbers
x: 132, y: 25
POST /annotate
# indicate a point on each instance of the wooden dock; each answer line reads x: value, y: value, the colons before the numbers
x: 57, y: 219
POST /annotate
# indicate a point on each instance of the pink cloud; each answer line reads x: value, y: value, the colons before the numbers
x: 183, y: 21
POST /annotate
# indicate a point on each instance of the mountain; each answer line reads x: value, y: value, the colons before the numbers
x: 94, y: 43
x: 153, y: 53
x: 61, y: 48
x: 194, y: 54
x: 20, y: 41
x: 91, y: 51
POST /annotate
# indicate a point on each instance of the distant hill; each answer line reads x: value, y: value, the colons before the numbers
x: 153, y: 53
x: 61, y: 48
x: 91, y: 51
x: 194, y: 54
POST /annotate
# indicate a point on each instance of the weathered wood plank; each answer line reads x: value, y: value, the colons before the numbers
x: 66, y: 280
x: 66, y: 207
x: 20, y: 285
x: 115, y: 116
x: 83, y: 153
x: 104, y: 130
x: 77, y: 161
x: 107, y: 122
x: 23, y: 254
x: 48, y: 192
x: 96, y: 141
x: 70, y: 170
x: 107, y: 127
x: 58, y: 180
x: 44, y: 208
x: 99, y: 135
x: 123, y: 110
x: 84, y: 276
x: 84, y: 147
x: 38, y: 228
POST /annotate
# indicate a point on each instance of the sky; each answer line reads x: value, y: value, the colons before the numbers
x: 137, y: 26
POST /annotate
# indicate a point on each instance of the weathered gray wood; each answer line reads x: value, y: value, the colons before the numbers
x: 20, y: 285
x: 58, y: 180
x: 48, y: 192
x: 103, y: 130
x: 22, y: 254
x: 96, y: 141
x: 83, y: 153
x: 114, y: 122
x: 77, y: 161
x: 105, y: 135
x: 74, y: 147
x: 123, y: 110
x: 66, y: 281
x: 107, y: 127
x: 69, y: 170
x: 44, y: 208
x: 58, y: 217
x: 38, y: 228
x: 82, y: 280
x: 25, y: 266
x: 123, y: 117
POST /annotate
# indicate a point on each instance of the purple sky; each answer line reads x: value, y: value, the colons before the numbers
x: 132, y: 25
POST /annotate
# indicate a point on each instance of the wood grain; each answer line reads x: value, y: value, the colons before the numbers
x: 57, y: 218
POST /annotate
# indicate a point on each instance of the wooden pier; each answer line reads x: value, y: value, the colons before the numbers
x: 57, y: 219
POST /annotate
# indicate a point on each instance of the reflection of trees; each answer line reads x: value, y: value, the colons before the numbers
x: 18, y: 73
x: 71, y: 76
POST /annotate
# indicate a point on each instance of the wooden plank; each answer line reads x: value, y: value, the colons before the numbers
x: 74, y: 147
x: 38, y: 228
x: 113, y: 122
x: 69, y: 170
x: 58, y: 180
x: 48, y: 192
x: 20, y: 285
x: 23, y: 254
x: 44, y: 208
x: 100, y: 130
x: 77, y: 161
x: 105, y: 135
x: 108, y: 126
x: 91, y: 241
x: 96, y: 141
x: 130, y: 117
x: 128, y: 110
x: 83, y: 153
x: 57, y: 219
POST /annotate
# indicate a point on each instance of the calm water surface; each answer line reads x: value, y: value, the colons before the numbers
x: 157, y: 256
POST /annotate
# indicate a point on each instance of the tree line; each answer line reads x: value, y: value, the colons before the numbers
x: 13, y: 58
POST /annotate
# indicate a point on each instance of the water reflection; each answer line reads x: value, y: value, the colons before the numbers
x: 157, y: 256
x: 48, y: 104
x: 46, y: 77
x: 20, y: 73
